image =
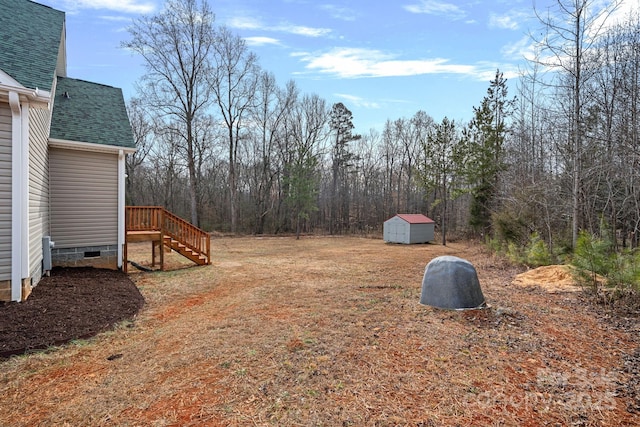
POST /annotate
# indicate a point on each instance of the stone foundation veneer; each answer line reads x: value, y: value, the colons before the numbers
x: 91, y: 256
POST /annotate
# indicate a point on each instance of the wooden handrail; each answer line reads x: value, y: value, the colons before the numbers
x: 144, y: 218
x: 185, y: 232
x: 156, y: 218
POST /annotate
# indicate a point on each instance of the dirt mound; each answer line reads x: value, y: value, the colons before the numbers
x: 552, y: 278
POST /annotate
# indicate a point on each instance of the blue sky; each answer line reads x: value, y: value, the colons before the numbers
x: 383, y: 59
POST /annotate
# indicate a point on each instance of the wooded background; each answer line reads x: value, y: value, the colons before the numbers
x: 223, y: 145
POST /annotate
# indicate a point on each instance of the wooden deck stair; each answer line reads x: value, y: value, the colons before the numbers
x: 186, y: 251
x: 166, y: 230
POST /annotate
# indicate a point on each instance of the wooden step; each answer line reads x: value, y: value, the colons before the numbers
x: 187, y: 252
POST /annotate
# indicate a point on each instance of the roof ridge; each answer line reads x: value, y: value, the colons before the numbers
x: 44, y: 5
x: 409, y: 217
x: 30, y: 42
x: 88, y: 81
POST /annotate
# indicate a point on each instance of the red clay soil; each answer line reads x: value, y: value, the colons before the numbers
x: 72, y: 303
x: 329, y: 332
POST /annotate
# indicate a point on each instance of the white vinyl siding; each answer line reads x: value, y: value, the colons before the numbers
x: 38, y: 188
x: 84, y: 198
x: 5, y: 192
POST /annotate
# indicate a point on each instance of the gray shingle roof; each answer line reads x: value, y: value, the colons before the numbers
x: 90, y: 112
x: 30, y: 35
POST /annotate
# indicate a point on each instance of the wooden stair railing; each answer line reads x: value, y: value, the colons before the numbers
x: 168, y: 230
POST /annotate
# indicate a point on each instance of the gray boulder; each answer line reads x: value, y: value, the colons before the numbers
x: 451, y: 282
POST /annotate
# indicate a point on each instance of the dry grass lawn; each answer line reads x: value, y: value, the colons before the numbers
x: 328, y: 332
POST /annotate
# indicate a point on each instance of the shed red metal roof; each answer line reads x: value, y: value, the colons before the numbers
x: 416, y: 218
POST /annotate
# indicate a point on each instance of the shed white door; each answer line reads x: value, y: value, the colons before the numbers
x: 402, y: 232
x: 396, y: 231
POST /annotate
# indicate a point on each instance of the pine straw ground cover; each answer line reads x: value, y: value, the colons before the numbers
x: 329, y: 332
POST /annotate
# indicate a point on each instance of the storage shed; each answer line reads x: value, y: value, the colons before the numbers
x: 409, y: 229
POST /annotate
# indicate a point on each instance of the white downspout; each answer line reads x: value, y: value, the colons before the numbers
x: 25, y: 190
x: 121, y: 204
x: 17, y: 206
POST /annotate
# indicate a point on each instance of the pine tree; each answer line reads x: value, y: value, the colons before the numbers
x: 302, y: 184
x: 341, y: 124
x: 440, y: 166
x: 486, y: 136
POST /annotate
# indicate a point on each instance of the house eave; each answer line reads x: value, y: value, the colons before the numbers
x: 36, y: 97
x: 87, y: 146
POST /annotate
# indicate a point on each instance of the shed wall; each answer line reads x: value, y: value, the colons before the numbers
x: 421, y: 233
x: 5, y: 192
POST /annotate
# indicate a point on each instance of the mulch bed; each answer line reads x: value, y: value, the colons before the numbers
x: 72, y: 303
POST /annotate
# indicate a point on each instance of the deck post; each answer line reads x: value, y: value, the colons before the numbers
x: 208, y: 249
x: 125, y: 263
x: 153, y: 253
x: 161, y: 244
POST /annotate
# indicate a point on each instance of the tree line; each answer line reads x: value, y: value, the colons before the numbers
x: 222, y: 144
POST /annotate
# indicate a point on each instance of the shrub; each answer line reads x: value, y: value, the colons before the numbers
x: 624, y: 273
x: 592, y: 257
x: 534, y: 254
x: 493, y: 244
x: 597, y: 264
x: 537, y: 252
x: 515, y: 254
x: 509, y: 228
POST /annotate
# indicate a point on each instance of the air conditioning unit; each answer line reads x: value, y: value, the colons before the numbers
x: 47, y: 245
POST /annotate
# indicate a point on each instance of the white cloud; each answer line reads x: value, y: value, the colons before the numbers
x: 600, y: 14
x: 519, y: 49
x: 508, y: 21
x: 261, y: 41
x: 358, y: 101
x: 126, y: 6
x: 362, y: 63
x: 301, y: 30
x: 116, y: 18
x: 248, y: 23
x: 339, y: 12
x: 487, y: 71
x: 623, y: 12
x: 435, y: 7
x: 245, y: 23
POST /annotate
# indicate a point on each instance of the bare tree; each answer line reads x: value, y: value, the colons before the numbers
x: 142, y: 129
x: 165, y: 174
x: 614, y: 126
x: 234, y: 81
x: 306, y: 133
x: 273, y: 107
x: 370, y: 190
x: 570, y: 31
x: 175, y: 45
x: 391, y: 152
x: 438, y: 167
